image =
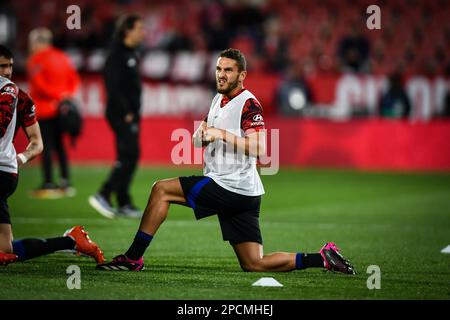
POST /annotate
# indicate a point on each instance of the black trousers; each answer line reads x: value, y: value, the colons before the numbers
x: 52, y: 137
x: 128, y: 152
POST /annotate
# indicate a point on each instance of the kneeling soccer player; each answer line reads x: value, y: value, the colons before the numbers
x: 233, y: 133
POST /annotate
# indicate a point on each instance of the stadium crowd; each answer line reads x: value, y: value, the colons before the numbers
x: 320, y: 35
x: 292, y: 40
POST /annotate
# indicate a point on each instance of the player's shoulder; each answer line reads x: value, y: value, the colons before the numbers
x: 8, y: 87
x: 252, y: 105
x: 253, y: 101
x: 5, y: 81
x: 251, y: 98
x: 24, y: 95
x: 24, y: 98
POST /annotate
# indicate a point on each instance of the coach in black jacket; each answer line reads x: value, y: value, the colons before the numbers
x: 123, y: 87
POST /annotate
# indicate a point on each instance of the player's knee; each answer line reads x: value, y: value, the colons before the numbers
x: 252, y: 266
x: 158, y: 189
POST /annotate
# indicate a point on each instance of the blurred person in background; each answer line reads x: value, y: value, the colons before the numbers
x: 123, y: 107
x: 395, y: 102
x: 52, y: 79
x: 293, y: 93
x: 353, y: 51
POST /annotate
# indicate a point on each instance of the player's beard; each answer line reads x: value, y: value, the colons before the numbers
x: 231, y: 86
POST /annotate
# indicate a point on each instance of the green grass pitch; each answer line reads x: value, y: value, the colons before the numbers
x: 398, y: 221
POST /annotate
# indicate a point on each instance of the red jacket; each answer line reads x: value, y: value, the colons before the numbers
x: 51, y: 77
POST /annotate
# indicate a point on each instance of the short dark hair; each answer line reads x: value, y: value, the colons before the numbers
x: 124, y: 24
x: 5, y: 52
x: 237, y: 56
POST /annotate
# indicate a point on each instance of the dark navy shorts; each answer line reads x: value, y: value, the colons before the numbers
x: 238, y: 214
x: 8, y: 184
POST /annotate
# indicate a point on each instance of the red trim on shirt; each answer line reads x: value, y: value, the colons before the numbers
x: 252, y: 116
x: 8, y: 96
x: 26, y: 114
x: 225, y: 99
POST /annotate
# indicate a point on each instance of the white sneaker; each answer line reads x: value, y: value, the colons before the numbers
x: 102, y: 205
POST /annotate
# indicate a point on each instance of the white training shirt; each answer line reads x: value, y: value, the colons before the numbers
x: 231, y: 169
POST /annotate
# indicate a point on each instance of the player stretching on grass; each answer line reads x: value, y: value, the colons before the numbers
x: 17, y: 109
x: 230, y: 187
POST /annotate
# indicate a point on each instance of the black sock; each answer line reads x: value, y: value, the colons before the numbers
x: 140, y: 243
x: 312, y: 260
x: 31, y: 248
x: 309, y: 260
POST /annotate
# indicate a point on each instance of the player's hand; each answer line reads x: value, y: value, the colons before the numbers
x: 212, y: 134
x: 19, y: 162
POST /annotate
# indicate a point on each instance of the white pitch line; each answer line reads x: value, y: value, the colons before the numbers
x: 25, y: 220
x: 446, y: 249
x: 327, y: 207
x: 189, y: 223
x: 173, y: 223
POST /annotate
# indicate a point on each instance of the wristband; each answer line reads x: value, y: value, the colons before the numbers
x: 22, y: 158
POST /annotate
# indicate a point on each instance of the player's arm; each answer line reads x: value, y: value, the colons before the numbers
x: 35, y: 145
x: 113, y: 76
x: 197, y: 137
x: 8, y: 96
x: 252, y: 144
x: 26, y: 118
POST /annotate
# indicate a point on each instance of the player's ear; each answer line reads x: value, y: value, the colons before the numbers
x: 242, y: 75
